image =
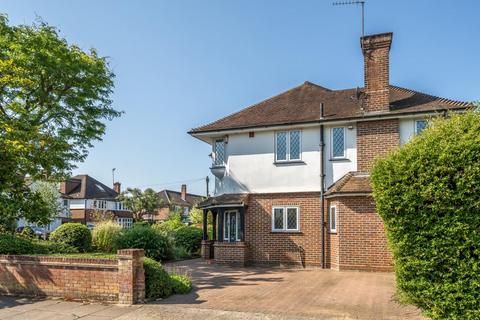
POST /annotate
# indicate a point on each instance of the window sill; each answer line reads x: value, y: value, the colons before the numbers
x: 289, y: 163
x: 286, y: 232
x: 332, y: 232
x: 339, y: 159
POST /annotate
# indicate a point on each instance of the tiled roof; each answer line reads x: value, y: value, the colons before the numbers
x: 302, y: 105
x: 175, y: 198
x: 239, y: 199
x: 352, y: 183
x: 87, y: 187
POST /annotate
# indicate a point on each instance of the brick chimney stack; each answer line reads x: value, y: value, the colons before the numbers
x: 376, y: 50
x: 117, y: 187
x: 184, y: 192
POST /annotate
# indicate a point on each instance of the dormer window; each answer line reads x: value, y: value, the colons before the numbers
x: 288, y: 146
x: 219, y: 152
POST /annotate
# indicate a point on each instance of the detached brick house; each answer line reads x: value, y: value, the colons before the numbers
x: 174, y: 201
x: 86, y: 196
x: 292, y: 172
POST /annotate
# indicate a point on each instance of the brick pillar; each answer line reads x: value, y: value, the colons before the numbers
x: 131, y: 276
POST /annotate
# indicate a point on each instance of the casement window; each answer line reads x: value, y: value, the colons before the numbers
x: 338, y: 142
x: 288, y: 145
x: 285, y: 219
x: 332, y: 219
x: 219, y: 152
x: 100, y: 204
x: 231, y: 226
x: 126, y: 223
x: 420, y: 125
x: 121, y: 206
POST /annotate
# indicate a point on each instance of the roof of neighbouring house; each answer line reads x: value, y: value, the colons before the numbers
x: 353, y: 182
x: 175, y: 198
x: 233, y: 199
x: 86, y: 187
x: 301, y: 104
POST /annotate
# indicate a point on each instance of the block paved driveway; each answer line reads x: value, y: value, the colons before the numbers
x: 242, y: 293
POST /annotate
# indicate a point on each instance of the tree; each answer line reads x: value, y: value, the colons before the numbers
x: 140, y: 203
x: 428, y: 194
x: 50, y: 196
x: 54, y: 100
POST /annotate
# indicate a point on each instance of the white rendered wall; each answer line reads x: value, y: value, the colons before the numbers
x: 407, y: 129
x: 251, y: 164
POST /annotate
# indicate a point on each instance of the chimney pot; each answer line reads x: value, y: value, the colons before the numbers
x: 117, y: 187
x: 184, y: 192
x: 376, y: 51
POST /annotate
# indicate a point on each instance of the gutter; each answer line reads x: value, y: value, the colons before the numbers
x: 322, y: 185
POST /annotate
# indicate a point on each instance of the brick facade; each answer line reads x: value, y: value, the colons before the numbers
x: 374, y: 139
x: 267, y: 247
x: 361, y: 242
x: 119, y: 280
x: 230, y: 253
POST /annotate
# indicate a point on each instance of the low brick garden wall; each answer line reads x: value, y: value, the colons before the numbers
x: 118, y: 280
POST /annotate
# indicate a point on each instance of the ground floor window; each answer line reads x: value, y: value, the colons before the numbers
x: 333, y: 219
x: 285, y: 219
x: 126, y: 223
x: 231, y: 226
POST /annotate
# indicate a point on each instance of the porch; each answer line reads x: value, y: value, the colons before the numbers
x: 226, y: 242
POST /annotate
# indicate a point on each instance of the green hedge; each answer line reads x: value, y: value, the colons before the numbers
x: 73, y: 234
x: 428, y: 194
x: 180, y: 284
x: 11, y: 244
x: 157, y: 280
x: 156, y: 245
x: 189, y: 237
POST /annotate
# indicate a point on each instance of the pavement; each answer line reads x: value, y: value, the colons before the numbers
x: 222, y: 292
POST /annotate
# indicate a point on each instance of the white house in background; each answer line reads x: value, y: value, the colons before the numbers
x: 85, y: 196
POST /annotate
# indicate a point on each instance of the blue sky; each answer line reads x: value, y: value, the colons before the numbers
x: 180, y: 64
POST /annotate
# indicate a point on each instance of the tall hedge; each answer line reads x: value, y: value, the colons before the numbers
x: 428, y: 194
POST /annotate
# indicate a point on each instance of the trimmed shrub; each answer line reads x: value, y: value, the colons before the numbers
x: 189, y: 237
x: 180, y: 253
x: 104, y: 235
x: 27, y: 232
x: 180, y: 284
x: 157, y: 280
x: 156, y: 245
x: 428, y: 194
x: 11, y: 244
x: 73, y: 234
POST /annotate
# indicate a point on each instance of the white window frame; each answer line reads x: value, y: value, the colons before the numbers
x: 330, y: 216
x: 285, y: 210
x: 215, y: 164
x: 125, y: 223
x: 226, y: 236
x: 288, y: 158
x: 344, y: 143
x: 415, y: 125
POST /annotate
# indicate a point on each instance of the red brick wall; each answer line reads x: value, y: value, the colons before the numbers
x: 75, y: 278
x: 375, y: 138
x: 267, y: 247
x: 230, y: 253
x: 362, y: 244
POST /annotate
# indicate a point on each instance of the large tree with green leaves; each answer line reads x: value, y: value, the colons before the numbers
x: 140, y: 202
x: 54, y: 101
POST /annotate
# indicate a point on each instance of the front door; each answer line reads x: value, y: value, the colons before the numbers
x: 231, y: 226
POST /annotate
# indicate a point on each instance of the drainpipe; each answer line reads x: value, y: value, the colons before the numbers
x: 322, y: 184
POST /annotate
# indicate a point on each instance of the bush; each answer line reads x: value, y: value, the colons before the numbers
x: 189, y: 237
x: 157, y: 280
x: 428, y: 194
x: 180, y: 253
x: 105, y: 234
x: 11, y: 244
x: 180, y: 284
x: 156, y: 245
x: 73, y: 234
x: 27, y: 232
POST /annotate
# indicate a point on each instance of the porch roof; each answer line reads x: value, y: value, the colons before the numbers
x: 225, y: 200
x: 353, y: 183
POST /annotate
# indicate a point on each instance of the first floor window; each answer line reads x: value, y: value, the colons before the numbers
x: 420, y: 125
x: 219, y: 152
x: 338, y: 142
x: 285, y: 219
x: 333, y: 219
x: 288, y: 145
x: 231, y: 224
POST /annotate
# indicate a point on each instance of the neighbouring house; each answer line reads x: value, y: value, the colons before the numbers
x: 174, y: 201
x: 292, y: 172
x: 88, y: 199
